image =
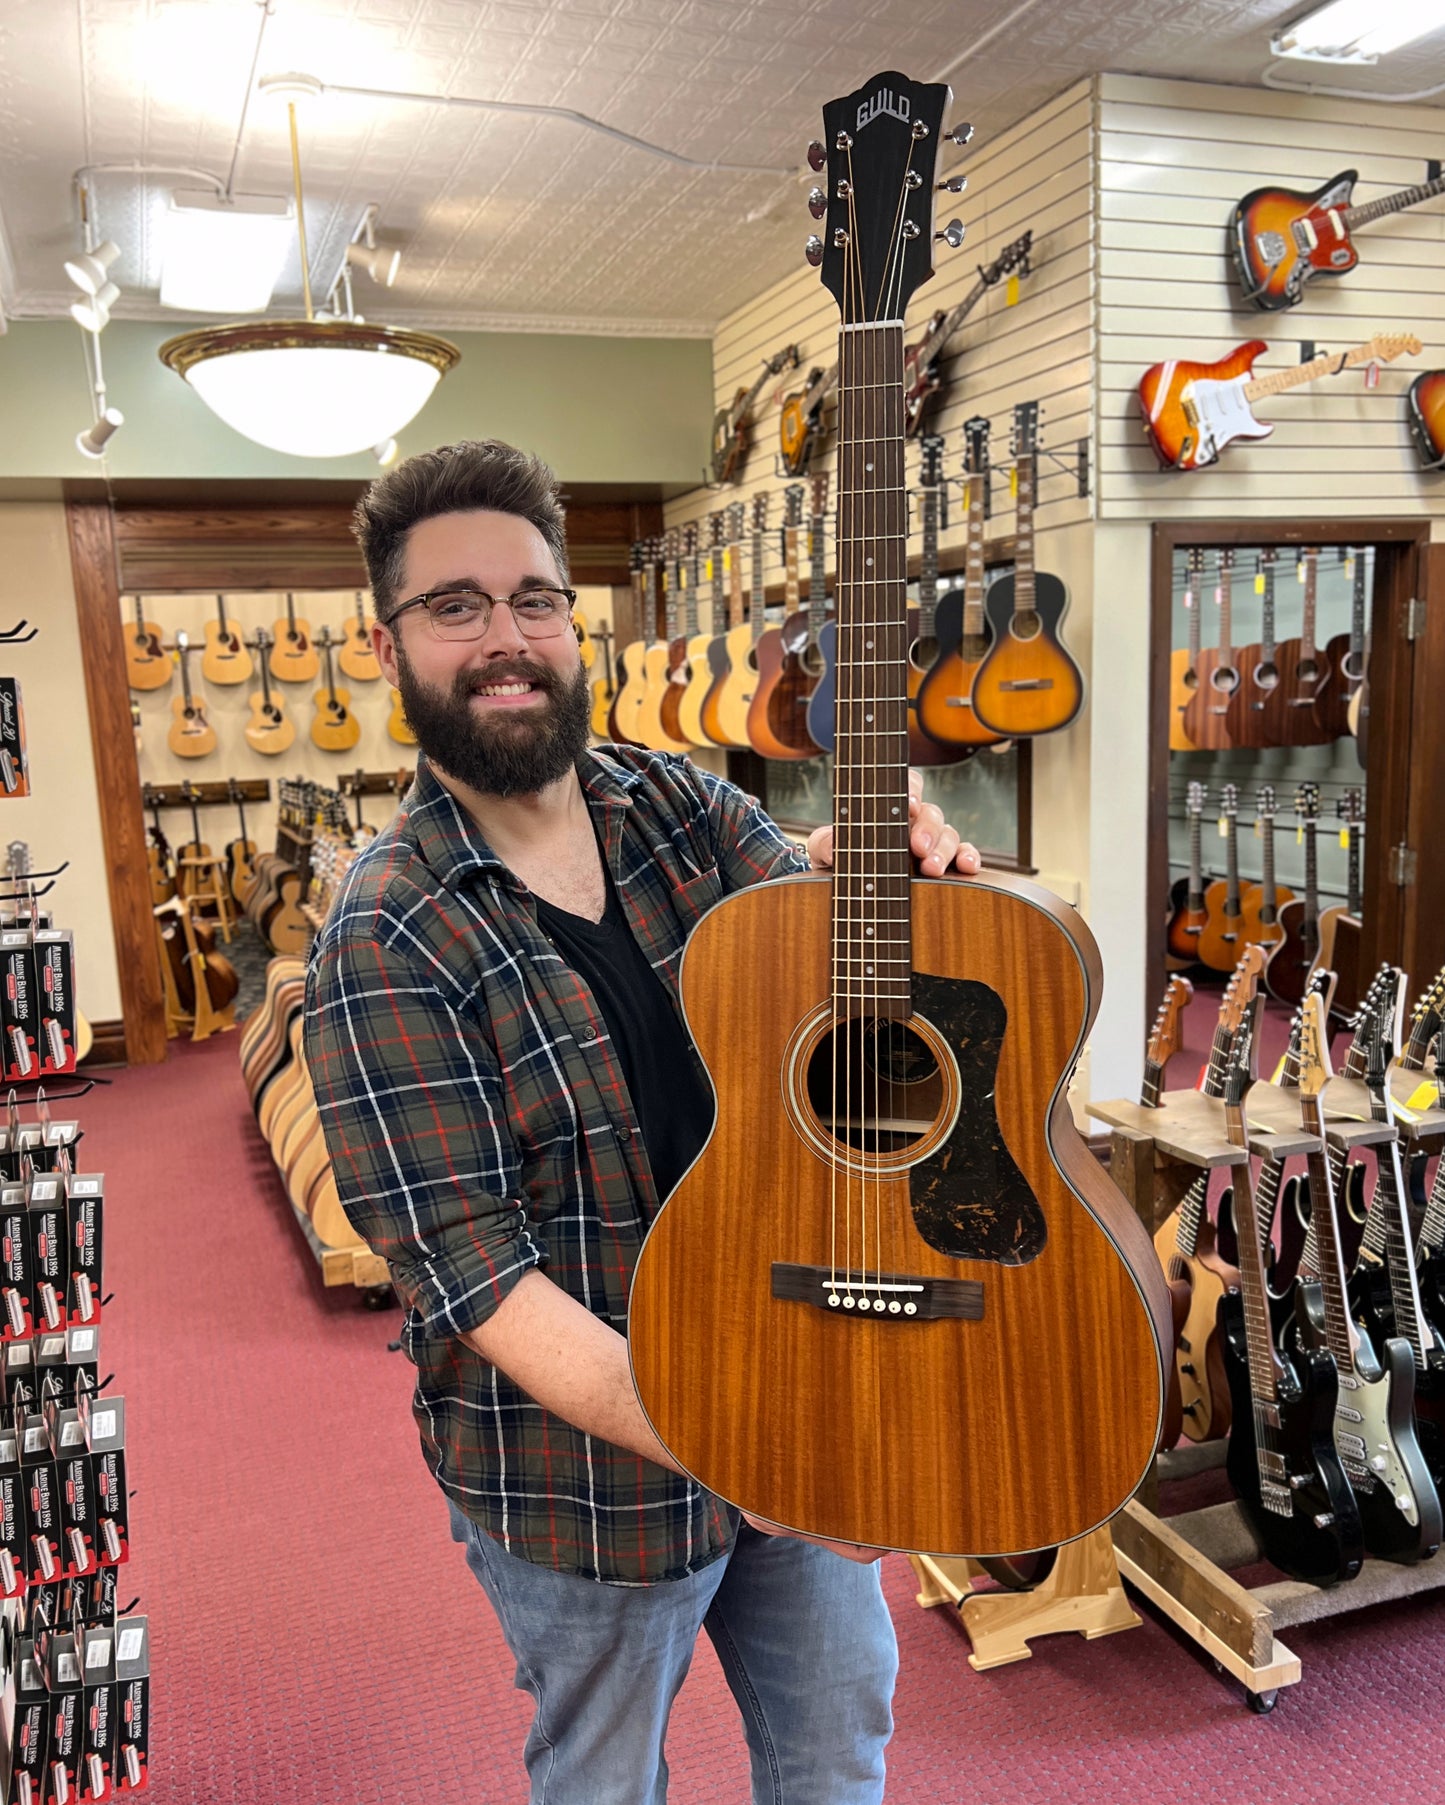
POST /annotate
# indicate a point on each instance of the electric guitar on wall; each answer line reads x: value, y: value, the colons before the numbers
x: 945, y: 697
x: 1184, y: 663
x: 191, y: 734
x: 801, y: 419
x: 1028, y: 682
x: 1295, y: 957
x: 732, y: 425
x: 1206, y: 719
x: 334, y: 728
x: 1256, y: 707
x: 893, y: 1169
x: 269, y: 730
x: 778, y: 712
x: 1222, y: 938
x: 147, y: 663
x: 1426, y: 406
x: 225, y: 659
x: 1192, y: 411
x: 923, y: 644
x: 1281, y: 238
x: 293, y: 656
x: 922, y: 377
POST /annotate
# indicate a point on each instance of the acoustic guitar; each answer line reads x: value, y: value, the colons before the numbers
x: 1426, y: 406
x: 147, y: 663
x: 1344, y: 658
x: 729, y: 636
x: 1296, y: 955
x: 945, y: 697
x: 334, y: 728
x: 632, y: 674
x: 190, y: 880
x: 293, y: 656
x: 190, y: 734
x: 648, y: 729
x: 732, y: 427
x: 922, y: 377
x: 1341, y: 926
x: 270, y: 730
x: 1281, y: 238
x: 356, y: 657
x: 1263, y: 901
x: 1255, y: 709
x: 734, y: 694
x: 225, y: 659
x: 1222, y: 938
x: 681, y: 631
x: 160, y: 864
x: 698, y: 661
x: 1301, y: 668
x: 1028, y: 682
x: 885, y: 1244
x: 1206, y: 719
x: 822, y: 654
x: 1165, y: 1039
x: 604, y: 689
x: 240, y: 852
x: 1187, y: 912
x: 923, y: 644
x: 1184, y: 662
x: 778, y: 712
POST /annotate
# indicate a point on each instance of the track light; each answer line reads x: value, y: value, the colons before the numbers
x: 385, y: 452
x: 89, y: 271
x: 380, y: 262
x: 92, y: 443
x: 93, y: 311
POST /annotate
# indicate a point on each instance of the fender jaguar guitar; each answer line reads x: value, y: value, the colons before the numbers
x: 732, y: 427
x: 1193, y: 410
x: 893, y: 1169
x: 1281, y: 238
x: 922, y: 377
x: 945, y: 697
x: 1426, y: 405
x: 1028, y: 682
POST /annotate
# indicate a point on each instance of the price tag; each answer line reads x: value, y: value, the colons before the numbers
x: 1224, y: 827
x: 1344, y: 839
x: 1011, y: 291
x: 1372, y: 375
x: 707, y: 568
x: 1299, y: 571
x: 966, y: 492
x: 1426, y: 1097
x: 1349, y: 566
x: 1299, y: 836
x: 1259, y: 582
x: 1013, y: 483
x: 1258, y: 828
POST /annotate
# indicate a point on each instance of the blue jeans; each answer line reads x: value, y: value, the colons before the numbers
x: 803, y: 1636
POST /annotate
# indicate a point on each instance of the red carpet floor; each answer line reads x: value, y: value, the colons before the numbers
x: 317, y: 1637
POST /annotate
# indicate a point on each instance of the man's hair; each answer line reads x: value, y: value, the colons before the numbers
x: 452, y: 479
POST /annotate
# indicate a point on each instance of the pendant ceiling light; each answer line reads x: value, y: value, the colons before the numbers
x: 310, y: 388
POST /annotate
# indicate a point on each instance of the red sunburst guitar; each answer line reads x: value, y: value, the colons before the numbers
x: 1426, y: 403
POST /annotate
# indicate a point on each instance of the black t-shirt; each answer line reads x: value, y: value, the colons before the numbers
x: 665, y: 1078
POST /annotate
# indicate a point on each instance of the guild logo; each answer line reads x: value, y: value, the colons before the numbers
x: 884, y: 101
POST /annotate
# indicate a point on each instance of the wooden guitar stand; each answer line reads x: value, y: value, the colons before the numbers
x: 204, y: 1020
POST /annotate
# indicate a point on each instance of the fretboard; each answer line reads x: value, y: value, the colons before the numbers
x: 1263, y: 1365
x: 1393, y: 203
x: 973, y: 557
x: 1267, y: 909
x: 928, y: 563
x: 872, y: 949
x: 1196, y: 862
x: 1024, y: 535
x: 1326, y: 364
x: 758, y: 600
x: 818, y: 587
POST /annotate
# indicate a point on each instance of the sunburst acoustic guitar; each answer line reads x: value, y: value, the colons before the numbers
x: 924, y: 648
x: 1426, y: 406
x: 895, y: 1241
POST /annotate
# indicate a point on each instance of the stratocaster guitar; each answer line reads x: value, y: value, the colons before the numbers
x: 945, y: 697
x: 1188, y: 914
x: 732, y: 425
x: 1294, y: 958
x: 1028, y: 682
x: 1281, y: 238
x: 1193, y: 410
x: 922, y: 377
x: 334, y: 728
x: 1206, y: 719
x: 1344, y: 658
x: 147, y: 663
x: 1222, y: 938
x: 293, y: 656
x: 890, y: 1203
x: 1281, y: 1459
x: 778, y: 712
x: 1426, y: 405
x: 190, y: 734
x: 923, y: 645
x: 1184, y: 663
x: 269, y: 730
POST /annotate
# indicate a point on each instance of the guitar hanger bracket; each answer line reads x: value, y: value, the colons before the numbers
x: 17, y: 636
x: 205, y: 795
x: 1432, y: 169
x: 1077, y: 466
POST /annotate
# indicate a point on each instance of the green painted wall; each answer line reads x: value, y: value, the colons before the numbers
x: 597, y: 409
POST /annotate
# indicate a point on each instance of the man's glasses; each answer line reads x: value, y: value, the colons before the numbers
x: 540, y: 612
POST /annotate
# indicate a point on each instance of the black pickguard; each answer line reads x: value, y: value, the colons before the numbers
x: 970, y: 1201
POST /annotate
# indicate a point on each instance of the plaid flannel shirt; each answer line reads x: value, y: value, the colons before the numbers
x: 479, y: 1125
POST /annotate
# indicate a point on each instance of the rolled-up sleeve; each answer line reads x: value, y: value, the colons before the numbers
x: 410, y: 1099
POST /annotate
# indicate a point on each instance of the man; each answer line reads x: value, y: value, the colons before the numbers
x: 508, y: 1090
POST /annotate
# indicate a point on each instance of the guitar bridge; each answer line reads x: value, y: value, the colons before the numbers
x: 879, y: 1293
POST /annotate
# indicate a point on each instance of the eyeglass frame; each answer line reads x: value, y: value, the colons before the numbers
x: 495, y: 601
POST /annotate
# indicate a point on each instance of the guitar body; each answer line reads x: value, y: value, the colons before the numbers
x: 1027, y: 685
x: 397, y: 726
x: 670, y: 708
x: 734, y: 696
x: 225, y: 659
x: 944, y: 705
x: 1346, y: 959
x: 1308, y: 1392
x: 1221, y: 939
x: 1294, y: 958
x: 778, y: 712
x: 922, y: 653
x: 1181, y: 693
x: 700, y: 676
x: 1181, y: 937
x: 190, y: 734
x: 822, y: 726
x: 334, y: 728
x: 904, y: 1434
x: 294, y: 658
x: 1251, y: 901
x: 1427, y: 419
x: 1173, y: 1426
x: 719, y: 664
x: 1206, y: 716
x: 604, y: 695
x: 1199, y: 1357
x: 1192, y: 410
x: 270, y: 730
x: 650, y: 731
x: 147, y: 664
x: 798, y: 428
x: 1301, y: 679
x: 632, y: 687
x: 731, y: 436
x: 1333, y: 697
x: 241, y: 872
x: 1280, y: 238
x: 1253, y: 708
x: 356, y: 658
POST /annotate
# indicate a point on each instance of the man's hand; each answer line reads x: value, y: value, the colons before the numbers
x: 850, y: 1551
x: 934, y: 843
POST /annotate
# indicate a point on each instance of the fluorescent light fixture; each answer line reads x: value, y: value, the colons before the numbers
x: 89, y: 272
x: 93, y: 311
x: 223, y: 256
x: 1358, y: 31
x: 92, y: 442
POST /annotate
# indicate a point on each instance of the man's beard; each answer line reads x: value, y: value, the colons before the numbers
x: 515, y: 752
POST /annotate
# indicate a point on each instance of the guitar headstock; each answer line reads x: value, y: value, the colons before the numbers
x: 1307, y: 802
x: 1193, y: 574
x: 1012, y: 257
x: 1314, y: 1047
x: 1370, y: 1032
x: 1264, y: 807
x: 930, y: 460
x: 689, y: 541
x: 1385, y: 347
x: 1167, y: 1034
x: 1351, y: 807
x: 714, y: 530
x: 793, y: 506
x: 1240, y: 992
x: 1268, y: 558
x: 1237, y: 1073
x: 760, y: 513
x: 1024, y: 437
x: 787, y: 359
x: 1194, y: 800
x: 636, y: 559
x: 880, y: 145
x: 182, y: 643
x: 671, y: 545
x: 323, y: 639
x: 1226, y: 564
x: 975, y: 437
x: 819, y: 487
x: 737, y: 516
x: 1229, y: 802
x: 1429, y: 1008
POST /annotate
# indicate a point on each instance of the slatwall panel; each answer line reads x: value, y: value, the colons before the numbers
x: 1174, y: 157
x: 1037, y: 175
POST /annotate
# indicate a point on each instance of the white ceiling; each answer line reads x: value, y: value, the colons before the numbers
x: 511, y: 220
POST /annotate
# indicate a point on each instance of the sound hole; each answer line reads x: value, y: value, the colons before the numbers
x: 875, y: 1085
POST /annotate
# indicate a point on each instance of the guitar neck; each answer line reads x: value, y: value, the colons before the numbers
x: 1196, y: 861
x: 1326, y: 364
x: 1267, y: 642
x: 1027, y: 468
x: 1311, y: 606
x: 1226, y: 615
x: 1393, y: 203
x: 1231, y: 867
x: 1311, y: 915
x: 928, y: 562
x: 792, y: 570
x: 973, y: 573
x: 735, y: 583
x: 1267, y: 909
x: 872, y: 942
x: 1194, y: 614
x: 1324, y: 1222
x: 758, y: 600
x: 1263, y: 1362
x: 818, y: 584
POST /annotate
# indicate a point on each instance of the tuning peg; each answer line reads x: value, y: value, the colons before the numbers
x: 817, y: 202
x: 817, y: 154
x: 954, y: 184
x: 961, y: 134
x: 813, y: 250
x: 952, y: 234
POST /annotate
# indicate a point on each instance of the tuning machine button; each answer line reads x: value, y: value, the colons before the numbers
x: 817, y: 154
x: 1324, y: 1519
x: 961, y: 134
x: 952, y: 234
x: 813, y: 250
x: 954, y: 184
x: 817, y: 202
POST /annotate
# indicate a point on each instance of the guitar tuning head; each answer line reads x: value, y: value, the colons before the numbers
x: 817, y: 202
x: 952, y: 234
x: 961, y: 134
x: 954, y: 184
x: 817, y: 154
x: 813, y: 250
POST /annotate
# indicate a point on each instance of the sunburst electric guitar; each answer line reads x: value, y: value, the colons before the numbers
x: 895, y: 1241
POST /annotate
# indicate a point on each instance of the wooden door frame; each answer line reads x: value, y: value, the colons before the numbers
x: 1396, y: 926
